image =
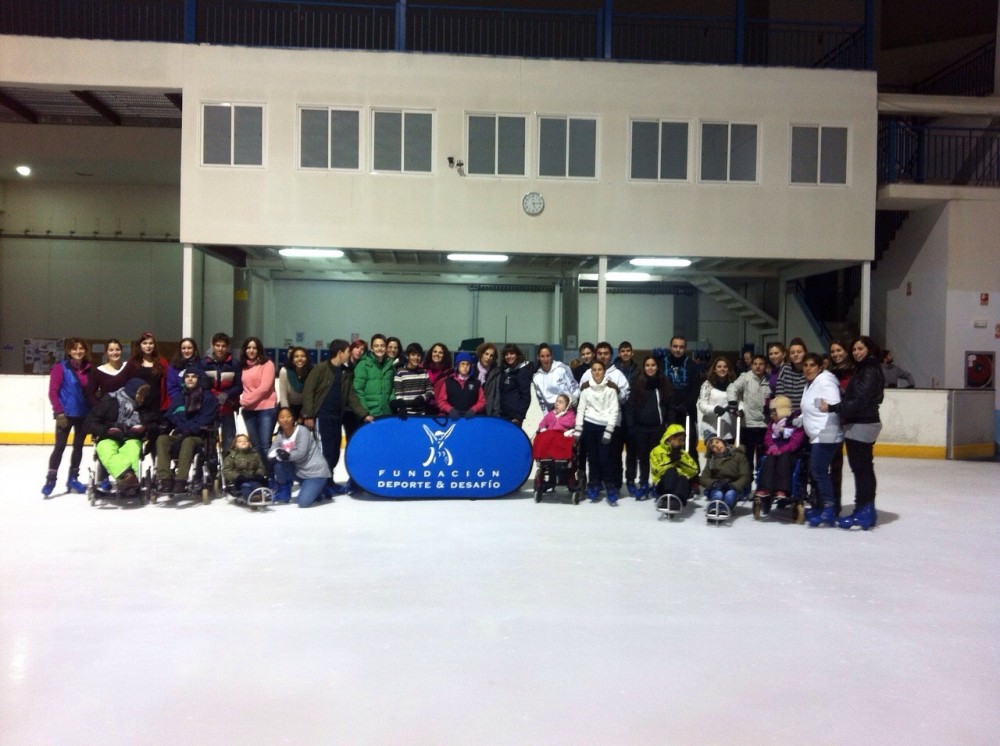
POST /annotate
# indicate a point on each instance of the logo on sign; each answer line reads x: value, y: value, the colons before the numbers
x: 438, y: 450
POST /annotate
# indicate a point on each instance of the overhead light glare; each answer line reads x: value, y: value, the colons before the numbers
x: 311, y: 253
x: 24, y: 170
x: 659, y: 261
x: 620, y: 277
x: 496, y: 258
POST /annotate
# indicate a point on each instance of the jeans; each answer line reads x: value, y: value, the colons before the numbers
x: 309, y: 489
x: 328, y: 429
x: 820, y: 457
x: 260, y: 428
x: 727, y: 495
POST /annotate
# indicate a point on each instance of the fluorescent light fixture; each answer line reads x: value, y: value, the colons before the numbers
x: 659, y: 261
x: 477, y: 257
x: 24, y: 170
x: 311, y: 253
x: 620, y: 277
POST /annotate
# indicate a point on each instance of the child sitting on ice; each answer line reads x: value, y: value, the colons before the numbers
x: 242, y: 467
x: 782, y: 440
x: 672, y: 469
x: 726, y: 475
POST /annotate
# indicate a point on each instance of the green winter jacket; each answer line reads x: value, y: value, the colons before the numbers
x: 731, y: 467
x: 318, y: 383
x: 373, y: 383
x: 664, y: 457
x: 238, y: 463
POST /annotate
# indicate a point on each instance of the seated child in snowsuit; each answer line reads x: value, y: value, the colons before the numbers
x: 118, y: 429
x: 782, y: 440
x: 242, y: 467
x: 671, y: 467
x: 727, y: 472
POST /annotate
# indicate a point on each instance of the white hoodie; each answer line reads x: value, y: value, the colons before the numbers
x: 598, y: 405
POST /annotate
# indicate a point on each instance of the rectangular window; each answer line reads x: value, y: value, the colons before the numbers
x: 232, y: 135
x: 567, y: 147
x: 401, y: 141
x: 659, y: 150
x: 496, y: 145
x: 728, y: 152
x: 819, y: 155
x: 329, y: 138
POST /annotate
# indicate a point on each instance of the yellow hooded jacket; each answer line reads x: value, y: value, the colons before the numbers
x: 660, y: 458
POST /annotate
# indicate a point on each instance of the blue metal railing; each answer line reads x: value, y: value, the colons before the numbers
x: 737, y: 38
x: 927, y: 154
x: 970, y: 76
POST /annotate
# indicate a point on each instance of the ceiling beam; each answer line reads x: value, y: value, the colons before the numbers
x: 177, y: 99
x: 98, y: 106
x: 18, y: 108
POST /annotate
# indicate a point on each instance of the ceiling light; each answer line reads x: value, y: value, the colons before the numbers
x: 620, y: 277
x: 659, y: 261
x: 311, y: 253
x: 24, y: 170
x: 477, y: 257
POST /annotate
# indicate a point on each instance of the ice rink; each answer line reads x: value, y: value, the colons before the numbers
x: 366, y: 621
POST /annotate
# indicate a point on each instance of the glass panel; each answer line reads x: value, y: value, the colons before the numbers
x: 645, y: 140
x: 714, y: 147
x: 583, y: 147
x: 833, y: 156
x: 217, y: 144
x: 805, y: 144
x: 388, y: 141
x: 510, y: 150
x: 417, y: 142
x: 552, y: 147
x: 313, y: 139
x: 248, y: 133
x: 674, y: 150
x: 345, y: 131
x: 743, y: 152
x: 482, y: 145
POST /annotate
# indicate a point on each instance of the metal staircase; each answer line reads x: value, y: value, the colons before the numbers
x: 733, y: 301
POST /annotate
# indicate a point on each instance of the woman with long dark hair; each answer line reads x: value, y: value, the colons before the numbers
x: 258, y: 401
x: 646, y: 416
x: 292, y: 378
x: 68, y: 381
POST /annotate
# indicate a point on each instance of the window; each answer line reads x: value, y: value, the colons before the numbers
x: 819, y: 155
x: 328, y: 138
x: 232, y: 135
x: 567, y: 147
x: 496, y: 145
x: 401, y: 141
x: 728, y: 152
x: 659, y: 150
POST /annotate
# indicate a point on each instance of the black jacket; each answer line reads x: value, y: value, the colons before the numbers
x: 863, y: 394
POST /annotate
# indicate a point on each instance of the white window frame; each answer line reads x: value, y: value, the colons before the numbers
x: 659, y: 122
x: 729, y: 149
x: 375, y: 111
x: 496, y: 115
x: 819, y: 154
x: 567, y: 118
x: 232, y: 134
x: 330, y: 108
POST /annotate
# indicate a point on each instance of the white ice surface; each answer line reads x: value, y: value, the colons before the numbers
x: 499, y: 621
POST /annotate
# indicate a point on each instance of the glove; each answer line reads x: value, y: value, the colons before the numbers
x: 62, y: 421
x: 733, y: 407
x: 115, y: 433
x: 675, y: 455
x: 606, y: 438
x: 716, y: 485
x: 720, y: 410
x: 283, y: 455
x: 137, y: 431
x: 454, y: 414
x: 469, y: 414
x: 570, y: 434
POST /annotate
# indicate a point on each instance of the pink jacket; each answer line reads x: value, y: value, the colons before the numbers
x: 558, y: 422
x: 258, y: 387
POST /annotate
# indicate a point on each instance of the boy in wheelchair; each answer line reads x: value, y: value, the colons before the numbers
x: 191, y: 413
x: 118, y: 430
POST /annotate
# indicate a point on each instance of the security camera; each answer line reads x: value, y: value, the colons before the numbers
x: 451, y: 161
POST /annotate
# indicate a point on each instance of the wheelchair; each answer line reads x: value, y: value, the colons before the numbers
x: 102, y: 490
x: 796, y: 501
x: 202, y: 478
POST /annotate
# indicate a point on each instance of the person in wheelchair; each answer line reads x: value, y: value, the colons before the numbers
x: 191, y: 412
x: 118, y: 429
x: 782, y: 442
x: 242, y: 468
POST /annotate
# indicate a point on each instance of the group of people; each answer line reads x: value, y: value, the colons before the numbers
x: 636, y: 421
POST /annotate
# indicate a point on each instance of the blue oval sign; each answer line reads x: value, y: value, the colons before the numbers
x: 433, y: 457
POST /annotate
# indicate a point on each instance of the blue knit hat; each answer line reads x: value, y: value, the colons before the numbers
x: 467, y: 357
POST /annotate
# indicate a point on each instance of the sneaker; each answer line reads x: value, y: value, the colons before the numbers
x: 166, y: 486
x: 780, y: 494
x: 762, y: 493
x: 180, y: 487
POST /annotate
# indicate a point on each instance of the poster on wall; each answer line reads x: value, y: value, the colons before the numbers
x: 41, y: 353
x: 979, y: 367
